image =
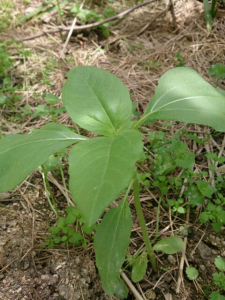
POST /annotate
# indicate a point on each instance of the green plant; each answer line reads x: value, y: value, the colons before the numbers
x: 54, y: 163
x: 219, y: 278
x: 172, y: 154
x: 90, y: 15
x: 6, y: 9
x: 149, y: 63
x: 7, y: 90
x: 218, y: 71
x: 67, y: 232
x: 103, y: 167
x: 210, y: 13
x: 45, y: 8
x: 43, y: 109
x: 180, y: 59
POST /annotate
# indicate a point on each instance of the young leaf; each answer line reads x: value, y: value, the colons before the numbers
x: 21, y: 154
x: 205, y: 188
x: 216, y: 296
x: 219, y: 280
x: 111, y: 241
x: 51, y: 99
x: 217, y: 70
x: 194, y: 195
x: 183, y: 95
x: 192, y: 273
x: 139, y: 267
x: 220, y: 263
x: 100, y: 169
x: 70, y: 219
x: 96, y: 100
x: 217, y: 226
x: 204, y: 217
x: 76, y: 237
x: 169, y: 245
x: 187, y: 161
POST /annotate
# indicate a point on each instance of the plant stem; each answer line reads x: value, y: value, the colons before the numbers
x: 157, y: 222
x: 64, y: 184
x: 53, y: 206
x: 59, y: 12
x: 143, y: 224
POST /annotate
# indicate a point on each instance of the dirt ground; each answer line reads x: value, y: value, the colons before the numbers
x: 139, y: 56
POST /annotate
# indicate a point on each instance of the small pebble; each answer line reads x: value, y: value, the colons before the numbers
x: 172, y: 259
x: 150, y: 294
x: 168, y: 296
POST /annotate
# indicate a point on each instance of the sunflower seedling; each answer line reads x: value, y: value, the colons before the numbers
x: 101, y: 168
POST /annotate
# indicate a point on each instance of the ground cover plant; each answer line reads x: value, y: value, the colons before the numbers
x: 219, y: 279
x: 103, y: 167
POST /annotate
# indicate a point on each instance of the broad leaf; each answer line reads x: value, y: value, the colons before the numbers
x: 216, y: 296
x: 111, y: 242
x: 195, y: 197
x: 222, y: 92
x: 183, y: 95
x: 96, y: 100
x: 220, y: 263
x: 100, y: 169
x: 21, y: 154
x: 192, y: 273
x: 139, y: 267
x: 169, y: 245
x: 206, y: 188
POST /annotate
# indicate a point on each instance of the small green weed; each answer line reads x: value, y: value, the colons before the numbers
x: 169, y: 155
x: 7, y: 88
x: 43, y: 109
x: 66, y: 231
x: 6, y: 9
x: 150, y: 64
x: 90, y: 15
x: 219, y: 279
x: 180, y: 59
x: 134, y: 48
x: 218, y: 71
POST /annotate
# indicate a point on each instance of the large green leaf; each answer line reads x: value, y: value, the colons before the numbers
x: 111, y: 242
x: 183, y: 95
x: 21, y: 154
x: 100, y: 169
x: 96, y: 100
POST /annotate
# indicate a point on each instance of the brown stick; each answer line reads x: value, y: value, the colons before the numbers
x: 88, y: 26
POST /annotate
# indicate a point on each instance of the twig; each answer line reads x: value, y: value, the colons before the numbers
x: 131, y: 287
x: 70, y: 33
x: 150, y: 23
x: 197, y: 286
x: 171, y: 8
x: 88, y: 26
x: 162, y: 276
x: 181, y: 267
x: 52, y: 179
